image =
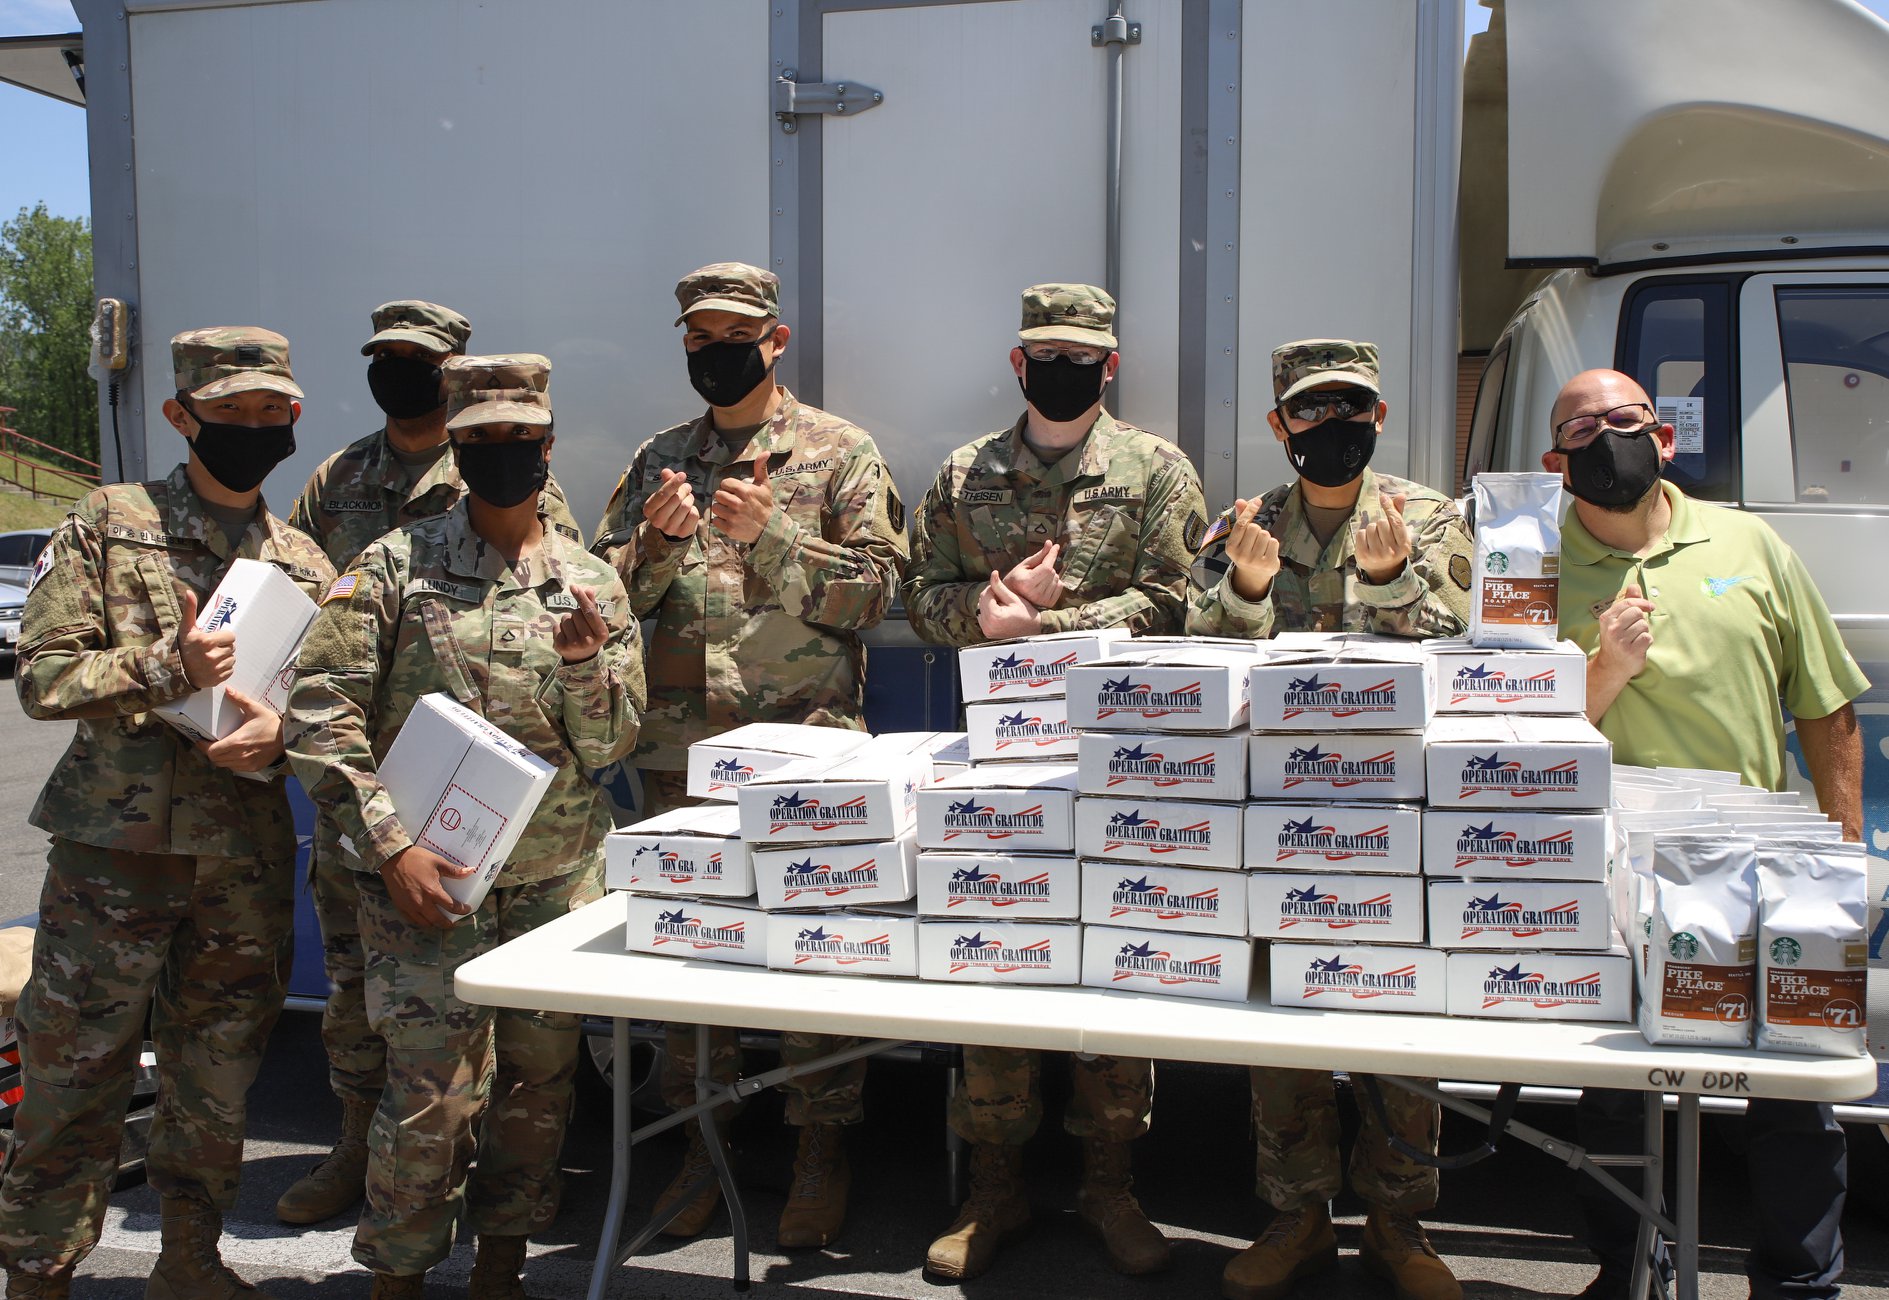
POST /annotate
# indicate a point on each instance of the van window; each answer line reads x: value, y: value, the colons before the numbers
x: 1835, y: 341
x: 1676, y: 341
x: 1482, y: 451
x: 13, y: 550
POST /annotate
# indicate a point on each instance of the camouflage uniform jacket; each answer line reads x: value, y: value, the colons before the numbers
x: 429, y: 607
x: 766, y: 632
x: 1319, y: 588
x: 1125, y: 507
x: 363, y: 491
x: 99, y: 644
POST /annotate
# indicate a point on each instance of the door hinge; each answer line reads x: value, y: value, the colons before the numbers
x: 827, y: 98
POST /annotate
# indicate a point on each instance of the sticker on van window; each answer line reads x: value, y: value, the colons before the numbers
x: 1687, y: 416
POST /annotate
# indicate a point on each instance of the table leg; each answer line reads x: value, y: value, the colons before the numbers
x: 737, y: 1213
x: 619, y: 1157
x: 1688, y: 1207
x: 1652, y: 1192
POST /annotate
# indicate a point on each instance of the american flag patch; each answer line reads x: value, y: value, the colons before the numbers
x: 1216, y: 530
x: 343, y: 587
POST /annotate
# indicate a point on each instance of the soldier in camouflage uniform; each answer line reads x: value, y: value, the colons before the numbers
x: 1340, y: 549
x: 1068, y: 519
x: 397, y: 474
x: 763, y: 536
x: 170, y: 882
x: 515, y: 621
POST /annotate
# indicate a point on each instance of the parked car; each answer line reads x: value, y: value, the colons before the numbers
x: 18, y: 552
x: 12, y: 605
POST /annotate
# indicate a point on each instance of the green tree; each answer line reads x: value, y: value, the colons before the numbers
x: 45, y: 319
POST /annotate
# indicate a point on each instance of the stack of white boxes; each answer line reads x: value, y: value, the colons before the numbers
x: 1161, y: 763
x: 997, y: 878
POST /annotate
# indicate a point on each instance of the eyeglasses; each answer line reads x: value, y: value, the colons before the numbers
x: 1060, y: 352
x: 1579, y: 430
x: 1330, y: 404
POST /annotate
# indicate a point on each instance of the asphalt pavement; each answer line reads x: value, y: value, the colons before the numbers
x: 1505, y: 1224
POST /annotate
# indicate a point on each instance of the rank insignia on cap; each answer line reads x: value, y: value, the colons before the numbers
x: 342, y: 588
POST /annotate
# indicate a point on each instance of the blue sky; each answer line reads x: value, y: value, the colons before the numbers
x: 45, y: 139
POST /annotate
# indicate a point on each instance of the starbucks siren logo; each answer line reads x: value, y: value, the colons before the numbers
x: 1683, y: 946
x: 1786, y: 951
x: 1498, y: 562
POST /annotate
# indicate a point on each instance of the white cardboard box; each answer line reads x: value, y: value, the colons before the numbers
x: 835, y: 875
x: 1469, y: 680
x: 979, y: 951
x: 1030, y: 666
x: 462, y: 789
x: 951, y: 753
x: 1174, y: 965
x: 1195, y: 900
x: 1541, y: 985
x: 1517, y: 762
x: 724, y: 930
x: 1358, y: 977
x: 1168, y: 688
x: 1336, y: 765
x: 721, y: 765
x: 1149, y: 765
x: 1012, y: 807
x: 696, y: 851
x: 1497, y: 844
x: 1173, y: 831
x: 1020, y: 730
x: 1365, y: 837
x: 854, y: 941
x: 1335, y: 907
x: 269, y: 615
x: 1033, y: 886
x: 868, y: 795
x: 1563, y: 915
x: 1366, y: 686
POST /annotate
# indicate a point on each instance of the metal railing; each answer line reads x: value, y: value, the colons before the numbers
x: 26, y: 470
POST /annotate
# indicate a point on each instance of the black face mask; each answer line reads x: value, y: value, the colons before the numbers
x: 502, y: 473
x: 404, y: 387
x: 240, y: 457
x: 724, y: 373
x: 1061, y: 390
x: 1616, y: 469
x: 1332, y: 452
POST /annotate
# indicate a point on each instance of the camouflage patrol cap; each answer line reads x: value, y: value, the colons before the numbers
x: 497, y: 390
x: 729, y: 286
x: 1311, y: 362
x: 409, y: 320
x: 1068, y: 313
x: 231, y: 359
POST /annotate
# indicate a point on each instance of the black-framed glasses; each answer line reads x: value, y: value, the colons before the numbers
x: 1330, y: 404
x: 1579, y: 430
x: 1062, y: 352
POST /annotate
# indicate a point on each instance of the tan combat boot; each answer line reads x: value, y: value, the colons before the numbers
x: 816, y: 1203
x: 407, y: 1286
x: 1296, y: 1244
x: 1395, y: 1249
x: 1106, y: 1204
x: 496, y: 1267
x: 188, y: 1265
x: 995, y: 1211
x: 338, y: 1182
x: 701, y: 1208
x: 38, y: 1286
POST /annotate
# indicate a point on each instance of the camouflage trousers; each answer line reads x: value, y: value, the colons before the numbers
x: 1295, y: 1118
x: 1001, y: 1103
x: 357, y: 1056
x: 202, y: 944
x: 451, y: 1065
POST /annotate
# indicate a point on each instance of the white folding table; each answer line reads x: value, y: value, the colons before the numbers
x: 578, y: 964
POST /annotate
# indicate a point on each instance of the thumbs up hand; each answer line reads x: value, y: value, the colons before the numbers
x: 208, y: 657
x: 742, y: 508
x: 1626, y: 633
x: 1002, y: 613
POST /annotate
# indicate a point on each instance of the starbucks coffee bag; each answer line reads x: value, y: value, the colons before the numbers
x: 1813, y: 948
x: 1701, y: 943
x: 1514, y: 601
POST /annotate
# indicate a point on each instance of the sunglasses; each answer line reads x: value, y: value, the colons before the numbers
x: 1330, y: 404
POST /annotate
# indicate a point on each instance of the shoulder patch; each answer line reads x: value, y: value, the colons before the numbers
x: 568, y: 531
x: 41, y: 567
x: 1459, y: 570
x: 895, y: 511
x: 1195, y: 533
x: 343, y: 587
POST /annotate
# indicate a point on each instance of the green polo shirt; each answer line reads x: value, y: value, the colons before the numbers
x: 1737, y: 625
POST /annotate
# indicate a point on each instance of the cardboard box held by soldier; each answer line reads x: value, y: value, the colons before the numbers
x: 1176, y: 965
x: 691, y: 851
x: 269, y: 615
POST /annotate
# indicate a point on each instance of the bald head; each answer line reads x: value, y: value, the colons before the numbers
x: 1594, y: 392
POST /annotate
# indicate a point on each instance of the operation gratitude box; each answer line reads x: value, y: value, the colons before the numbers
x: 1469, y: 680
x: 1195, y: 900
x: 1016, y: 807
x: 1020, y: 730
x: 269, y: 616
x: 1541, y: 985
x: 1152, y: 765
x: 1386, y: 839
x: 980, y: 951
x: 1336, y: 906
x: 1030, y: 667
x: 1018, y: 885
x: 1563, y: 914
x: 835, y: 875
x: 1362, y: 686
x: 1173, y: 965
x: 1181, y: 687
x: 850, y: 942
x: 1494, y: 762
x: 1336, y: 765
x: 1496, y: 844
x: 868, y: 795
x: 1181, y: 832
x: 1358, y: 977
x: 695, y: 851
x: 722, y: 930
x: 720, y: 765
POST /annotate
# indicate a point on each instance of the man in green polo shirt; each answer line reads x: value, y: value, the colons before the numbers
x: 1698, y: 620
